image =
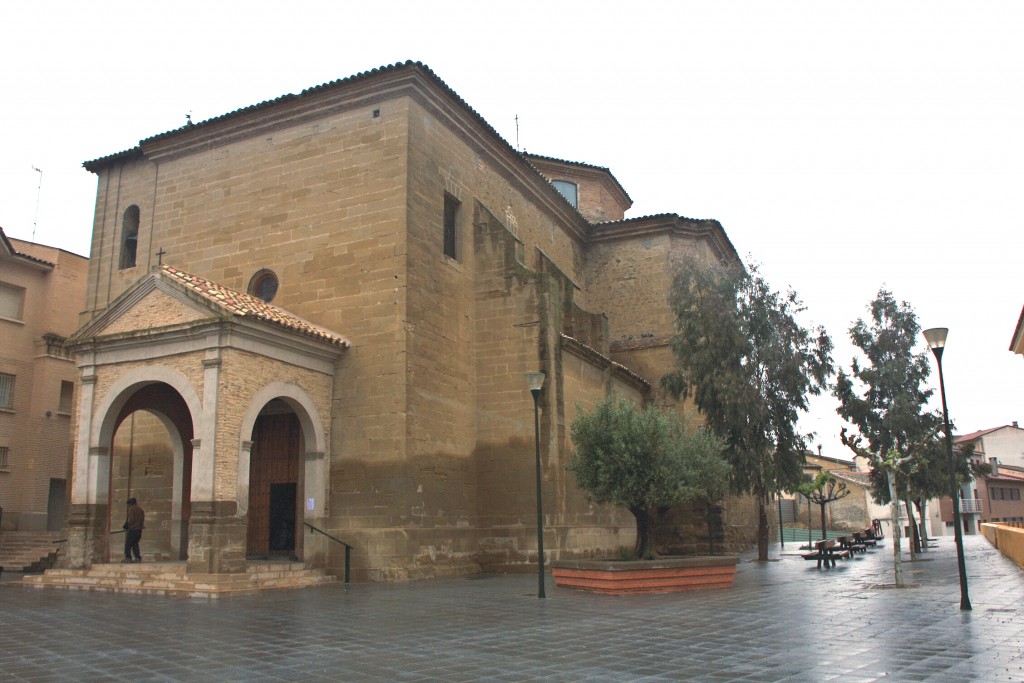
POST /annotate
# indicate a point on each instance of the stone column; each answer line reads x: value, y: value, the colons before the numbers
x: 314, y: 550
x: 87, y: 537
x: 216, y: 538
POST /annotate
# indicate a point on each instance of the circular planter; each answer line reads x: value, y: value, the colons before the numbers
x: 664, y: 575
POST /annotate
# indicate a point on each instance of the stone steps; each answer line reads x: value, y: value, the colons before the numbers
x: 28, y: 551
x: 173, y: 578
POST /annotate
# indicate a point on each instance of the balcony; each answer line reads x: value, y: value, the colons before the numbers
x: 970, y: 505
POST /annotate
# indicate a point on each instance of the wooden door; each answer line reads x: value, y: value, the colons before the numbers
x: 274, y: 461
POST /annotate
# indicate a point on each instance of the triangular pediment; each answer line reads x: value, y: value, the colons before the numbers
x: 168, y: 299
x: 151, y: 303
x: 156, y: 309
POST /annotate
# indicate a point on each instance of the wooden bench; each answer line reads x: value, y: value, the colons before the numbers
x: 827, y: 552
x: 863, y: 538
x: 852, y: 544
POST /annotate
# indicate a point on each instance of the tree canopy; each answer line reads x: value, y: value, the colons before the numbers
x: 749, y: 367
x: 644, y: 460
x: 822, y: 490
x: 885, y: 396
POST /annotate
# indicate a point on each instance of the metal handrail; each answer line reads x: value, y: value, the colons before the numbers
x: 971, y: 505
x: 348, y: 548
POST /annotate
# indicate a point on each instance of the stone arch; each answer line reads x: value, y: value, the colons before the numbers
x: 109, y: 407
x: 136, y: 390
x: 313, y: 434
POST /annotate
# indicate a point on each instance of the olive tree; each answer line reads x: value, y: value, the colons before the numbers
x: 642, y: 459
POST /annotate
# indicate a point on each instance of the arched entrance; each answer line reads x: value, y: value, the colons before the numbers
x: 274, y: 525
x: 151, y: 460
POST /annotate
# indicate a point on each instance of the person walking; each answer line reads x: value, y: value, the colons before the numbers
x: 133, y: 526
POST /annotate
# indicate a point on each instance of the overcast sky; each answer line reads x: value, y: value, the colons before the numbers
x: 844, y: 146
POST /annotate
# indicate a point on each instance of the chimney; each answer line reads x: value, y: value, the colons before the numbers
x: 995, y: 466
x: 1014, y: 423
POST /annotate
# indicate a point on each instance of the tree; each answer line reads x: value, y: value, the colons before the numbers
x: 642, y: 459
x: 749, y: 367
x: 885, y: 399
x: 821, y: 491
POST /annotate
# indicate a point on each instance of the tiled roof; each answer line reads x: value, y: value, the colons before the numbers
x: 862, y: 479
x: 96, y: 164
x: 1008, y: 473
x: 566, y: 162
x: 961, y: 438
x: 11, y: 251
x: 248, y: 306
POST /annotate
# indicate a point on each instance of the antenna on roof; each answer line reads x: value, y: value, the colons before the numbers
x: 39, y: 191
x: 188, y: 119
x: 518, y: 148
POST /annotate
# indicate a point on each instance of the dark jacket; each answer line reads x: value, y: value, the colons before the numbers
x: 136, y: 518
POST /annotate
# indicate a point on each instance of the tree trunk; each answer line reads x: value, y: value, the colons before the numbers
x: 762, y: 530
x: 894, y: 514
x: 644, y: 533
x: 913, y: 541
x: 824, y: 534
x: 922, y: 511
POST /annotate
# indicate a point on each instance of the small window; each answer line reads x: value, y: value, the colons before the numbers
x: 451, y: 214
x: 129, y: 237
x: 568, y: 190
x: 67, y: 391
x: 6, y: 391
x: 3, y: 458
x: 264, y: 285
x: 11, y: 299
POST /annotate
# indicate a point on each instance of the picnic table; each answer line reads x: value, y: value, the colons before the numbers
x: 852, y: 544
x: 826, y: 552
x: 866, y: 538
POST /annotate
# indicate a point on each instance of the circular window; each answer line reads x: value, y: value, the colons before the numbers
x: 263, y: 285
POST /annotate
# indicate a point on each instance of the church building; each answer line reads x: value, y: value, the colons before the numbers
x: 310, y: 319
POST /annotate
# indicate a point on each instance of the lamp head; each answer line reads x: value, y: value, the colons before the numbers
x: 534, y: 380
x: 936, y: 338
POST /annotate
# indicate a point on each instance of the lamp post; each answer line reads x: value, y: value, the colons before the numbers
x: 535, y: 380
x: 936, y: 338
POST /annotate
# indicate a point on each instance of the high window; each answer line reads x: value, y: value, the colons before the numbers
x: 568, y: 190
x: 263, y: 285
x: 6, y: 391
x: 129, y: 237
x: 451, y: 215
x: 11, y: 299
x: 3, y: 458
x: 67, y: 391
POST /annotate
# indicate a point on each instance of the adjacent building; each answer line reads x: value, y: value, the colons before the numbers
x: 992, y: 498
x: 42, y: 291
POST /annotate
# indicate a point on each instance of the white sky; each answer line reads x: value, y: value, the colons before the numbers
x: 842, y: 145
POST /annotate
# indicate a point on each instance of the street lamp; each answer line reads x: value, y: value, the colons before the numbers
x: 936, y: 338
x: 535, y: 380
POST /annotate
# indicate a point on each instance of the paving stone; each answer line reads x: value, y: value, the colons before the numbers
x: 781, y: 621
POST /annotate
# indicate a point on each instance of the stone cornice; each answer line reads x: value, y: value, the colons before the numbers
x: 599, y: 360
x: 201, y: 335
x: 670, y: 224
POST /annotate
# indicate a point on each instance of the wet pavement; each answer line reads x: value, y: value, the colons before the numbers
x: 784, y: 620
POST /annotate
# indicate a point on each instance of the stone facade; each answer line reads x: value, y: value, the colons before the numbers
x: 391, y: 213
x: 41, y: 295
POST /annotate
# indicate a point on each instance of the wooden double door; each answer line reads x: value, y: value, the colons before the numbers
x: 275, y: 495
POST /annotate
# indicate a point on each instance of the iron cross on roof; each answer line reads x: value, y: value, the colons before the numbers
x: 160, y: 256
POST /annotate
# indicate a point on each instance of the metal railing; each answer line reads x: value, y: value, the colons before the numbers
x: 970, y: 505
x: 348, y: 548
